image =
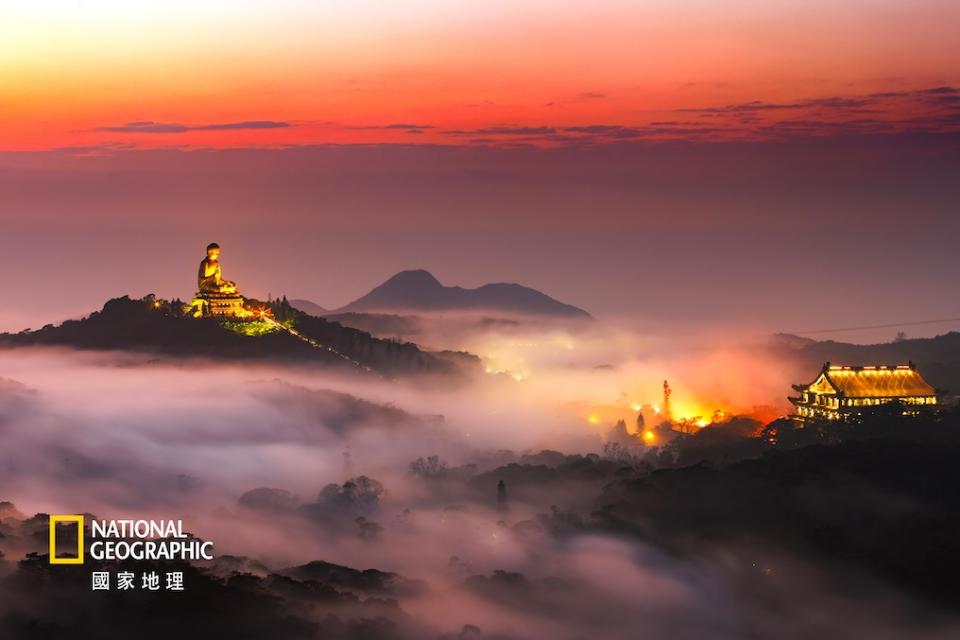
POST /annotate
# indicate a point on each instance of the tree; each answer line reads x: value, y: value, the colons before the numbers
x: 357, y: 494
x: 502, y: 496
x: 431, y: 467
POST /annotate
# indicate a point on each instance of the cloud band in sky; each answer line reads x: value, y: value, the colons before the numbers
x: 149, y: 126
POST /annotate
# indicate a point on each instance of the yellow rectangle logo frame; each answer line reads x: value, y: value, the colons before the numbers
x: 54, y: 521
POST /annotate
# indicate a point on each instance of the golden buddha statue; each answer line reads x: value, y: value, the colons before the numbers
x: 209, y: 277
x: 216, y: 297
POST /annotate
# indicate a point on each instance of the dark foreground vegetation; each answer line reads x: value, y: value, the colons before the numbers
x: 877, y: 500
x: 880, y: 496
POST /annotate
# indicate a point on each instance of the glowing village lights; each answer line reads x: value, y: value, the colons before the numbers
x: 687, y: 416
x: 516, y: 375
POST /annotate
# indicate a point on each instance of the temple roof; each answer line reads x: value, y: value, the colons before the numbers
x: 871, y: 382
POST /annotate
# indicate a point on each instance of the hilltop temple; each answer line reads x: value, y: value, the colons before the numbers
x: 840, y: 392
x: 216, y: 296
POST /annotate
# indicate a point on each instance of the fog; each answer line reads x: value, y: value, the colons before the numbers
x: 246, y: 454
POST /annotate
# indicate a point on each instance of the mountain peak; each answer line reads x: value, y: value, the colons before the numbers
x: 413, y: 278
x: 419, y: 290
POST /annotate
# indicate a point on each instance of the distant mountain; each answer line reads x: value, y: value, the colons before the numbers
x: 418, y: 290
x: 308, y: 307
x: 159, y: 327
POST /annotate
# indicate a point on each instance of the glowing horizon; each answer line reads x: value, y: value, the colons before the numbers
x: 251, y: 74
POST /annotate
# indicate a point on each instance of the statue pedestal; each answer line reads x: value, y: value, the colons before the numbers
x: 219, y: 304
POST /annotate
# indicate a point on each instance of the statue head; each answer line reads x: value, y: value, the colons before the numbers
x: 213, y: 251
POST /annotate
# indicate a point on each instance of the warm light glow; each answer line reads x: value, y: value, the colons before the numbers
x: 649, y: 436
x: 333, y: 72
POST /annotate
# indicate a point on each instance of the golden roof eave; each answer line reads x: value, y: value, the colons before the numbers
x: 872, y: 381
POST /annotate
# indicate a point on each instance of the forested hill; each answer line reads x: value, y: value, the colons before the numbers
x: 158, y: 326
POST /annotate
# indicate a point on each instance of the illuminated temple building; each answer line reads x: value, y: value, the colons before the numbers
x: 841, y: 392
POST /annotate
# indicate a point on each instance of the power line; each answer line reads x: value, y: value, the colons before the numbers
x: 878, y: 326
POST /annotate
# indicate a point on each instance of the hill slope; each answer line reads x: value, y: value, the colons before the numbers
x: 938, y: 358
x: 309, y: 307
x: 158, y: 327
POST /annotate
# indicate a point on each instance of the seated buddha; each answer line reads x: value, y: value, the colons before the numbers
x: 209, y: 277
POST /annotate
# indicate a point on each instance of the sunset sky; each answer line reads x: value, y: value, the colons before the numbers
x: 776, y: 164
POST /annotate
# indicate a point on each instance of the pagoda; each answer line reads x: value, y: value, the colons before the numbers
x: 840, y: 392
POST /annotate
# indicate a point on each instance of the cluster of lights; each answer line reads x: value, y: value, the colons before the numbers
x: 900, y: 368
x: 513, y: 374
x: 683, y: 420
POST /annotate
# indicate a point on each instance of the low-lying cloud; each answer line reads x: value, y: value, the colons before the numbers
x: 283, y: 467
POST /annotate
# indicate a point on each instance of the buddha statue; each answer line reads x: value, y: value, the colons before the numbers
x: 216, y: 297
x: 209, y: 277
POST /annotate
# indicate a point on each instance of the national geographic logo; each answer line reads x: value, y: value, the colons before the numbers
x: 54, y: 521
x: 119, y: 540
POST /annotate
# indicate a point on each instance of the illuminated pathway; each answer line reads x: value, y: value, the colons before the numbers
x: 316, y: 344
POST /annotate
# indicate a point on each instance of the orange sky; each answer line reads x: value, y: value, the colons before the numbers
x: 198, y: 74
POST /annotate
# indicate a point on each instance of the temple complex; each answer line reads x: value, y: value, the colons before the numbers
x: 840, y: 392
x: 216, y: 296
